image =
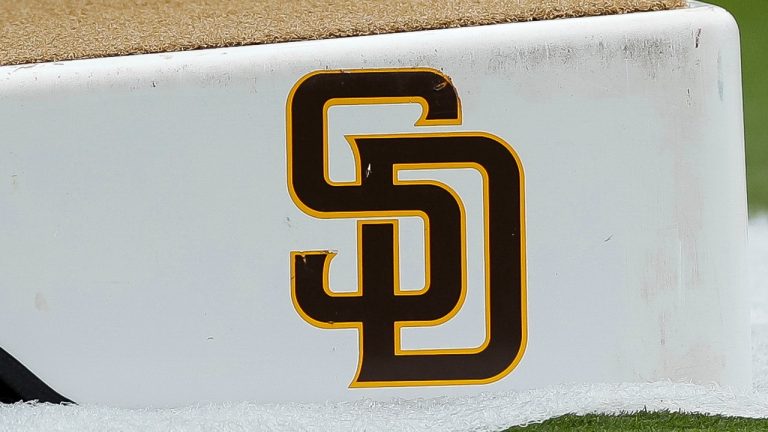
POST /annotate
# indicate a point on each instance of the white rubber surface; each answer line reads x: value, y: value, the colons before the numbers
x: 147, y: 226
x: 490, y: 412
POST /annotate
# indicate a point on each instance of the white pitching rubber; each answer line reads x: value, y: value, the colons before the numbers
x: 410, y: 215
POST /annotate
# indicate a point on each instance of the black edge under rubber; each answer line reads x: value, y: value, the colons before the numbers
x: 17, y: 384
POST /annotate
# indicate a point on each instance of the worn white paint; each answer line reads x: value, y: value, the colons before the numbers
x: 146, y: 225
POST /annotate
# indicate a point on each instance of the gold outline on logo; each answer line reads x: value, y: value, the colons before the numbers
x: 375, y: 217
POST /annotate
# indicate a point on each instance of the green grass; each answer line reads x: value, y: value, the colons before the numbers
x: 647, y: 422
x: 751, y: 16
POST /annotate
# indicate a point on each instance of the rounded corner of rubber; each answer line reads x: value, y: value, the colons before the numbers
x: 719, y: 19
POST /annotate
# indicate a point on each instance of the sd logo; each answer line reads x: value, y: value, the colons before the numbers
x: 379, y: 309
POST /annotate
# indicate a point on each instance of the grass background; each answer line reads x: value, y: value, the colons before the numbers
x: 646, y: 422
x: 751, y: 16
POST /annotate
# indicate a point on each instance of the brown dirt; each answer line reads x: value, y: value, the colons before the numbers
x: 50, y: 30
